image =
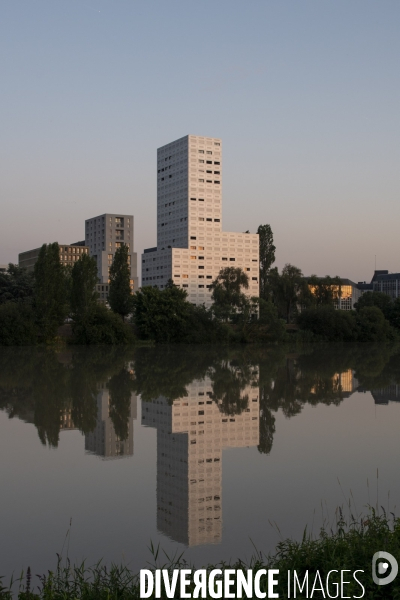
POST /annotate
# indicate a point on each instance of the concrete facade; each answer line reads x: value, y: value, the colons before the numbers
x: 191, y: 246
x: 69, y: 253
x: 103, y: 235
x: 191, y: 435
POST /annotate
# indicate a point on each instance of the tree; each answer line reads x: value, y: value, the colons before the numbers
x: 324, y: 290
x: 102, y: 326
x: 119, y: 292
x: 378, y: 299
x: 372, y: 325
x: 83, y: 287
x: 267, y: 258
x: 17, y: 325
x: 329, y: 324
x: 161, y: 315
x: 50, y: 291
x: 16, y: 285
x: 227, y: 294
x: 288, y: 290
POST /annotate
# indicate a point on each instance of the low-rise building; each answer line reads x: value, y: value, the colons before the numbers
x: 69, y: 253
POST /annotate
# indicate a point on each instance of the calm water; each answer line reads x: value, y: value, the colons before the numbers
x: 203, y: 450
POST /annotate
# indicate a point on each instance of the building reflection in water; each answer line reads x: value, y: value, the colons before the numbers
x: 191, y: 434
x: 390, y: 393
x: 103, y: 440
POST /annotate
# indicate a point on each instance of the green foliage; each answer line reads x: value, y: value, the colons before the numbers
x: 267, y: 258
x: 393, y: 314
x: 372, y: 325
x: 329, y: 324
x: 268, y: 327
x: 83, y: 296
x: 378, y: 299
x: 288, y: 290
x: 325, y: 290
x: 102, y: 326
x: 326, y: 323
x: 16, y: 285
x: 228, y: 298
x: 120, y: 296
x: 17, y: 325
x: 50, y: 291
x: 349, y: 546
x: 165, y: 316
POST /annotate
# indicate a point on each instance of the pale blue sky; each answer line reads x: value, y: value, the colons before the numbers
x: 305, y: 95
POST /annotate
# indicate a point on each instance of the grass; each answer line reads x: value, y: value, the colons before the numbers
x: 351, y: 546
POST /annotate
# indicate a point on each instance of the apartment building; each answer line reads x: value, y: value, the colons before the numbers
x: 103, y: 235
x: 191, y: 436
x: 191, y: 246
x: 69, y: 253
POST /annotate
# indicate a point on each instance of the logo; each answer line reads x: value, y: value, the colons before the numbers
x: 384, y: 563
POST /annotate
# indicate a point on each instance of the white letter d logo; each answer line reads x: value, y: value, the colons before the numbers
x: 380, y: 568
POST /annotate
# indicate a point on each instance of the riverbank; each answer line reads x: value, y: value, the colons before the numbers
x: 349, y: 548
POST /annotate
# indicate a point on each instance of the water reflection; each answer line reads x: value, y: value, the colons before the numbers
x: 191, y: 434
x: 199, y: 400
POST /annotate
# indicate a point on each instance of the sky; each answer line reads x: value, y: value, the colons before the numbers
x: 305, y: 95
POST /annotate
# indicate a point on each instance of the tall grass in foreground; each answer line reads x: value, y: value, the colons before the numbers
x: 351, y: 546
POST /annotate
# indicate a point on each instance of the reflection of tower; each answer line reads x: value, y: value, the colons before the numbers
x: 103, y: 440
x: 190, y: 437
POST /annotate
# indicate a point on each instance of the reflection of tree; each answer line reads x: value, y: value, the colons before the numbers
x: 267, y: 430
x: 120, y: 387
x: 41, y: 385
x: 229, y: 379
x: 168, y: 370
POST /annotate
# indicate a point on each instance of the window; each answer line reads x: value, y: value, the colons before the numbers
x: 191, y: 199
x: 216, y: 162
x: 209, y: 152
x: 209, y: 162
x: 217, y: 182
x: 201, y: 267
x: 217, y: 144
x: 217, y: 173
x: 201, y: 180
x: 254, y: 278
x: 201, y: 161
x: 217, y: 220
x: 208, y: 219
x: 192, y: 237
x: 201, y: 286
x: 201, y: 151
x: 232, y: 259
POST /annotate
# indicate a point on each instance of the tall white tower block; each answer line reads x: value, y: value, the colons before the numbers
x: 191, y: 246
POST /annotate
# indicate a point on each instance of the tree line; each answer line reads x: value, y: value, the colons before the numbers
x: 34, y: 305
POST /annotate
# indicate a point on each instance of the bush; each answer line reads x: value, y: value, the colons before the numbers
x: 329, y: 324
x: 17, y: 325
x: 372, y: 325
x: 102, y: 326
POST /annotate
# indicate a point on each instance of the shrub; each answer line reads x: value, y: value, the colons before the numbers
x: 329, y: 324
x: 102, y: 326
x: 17, y: 325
